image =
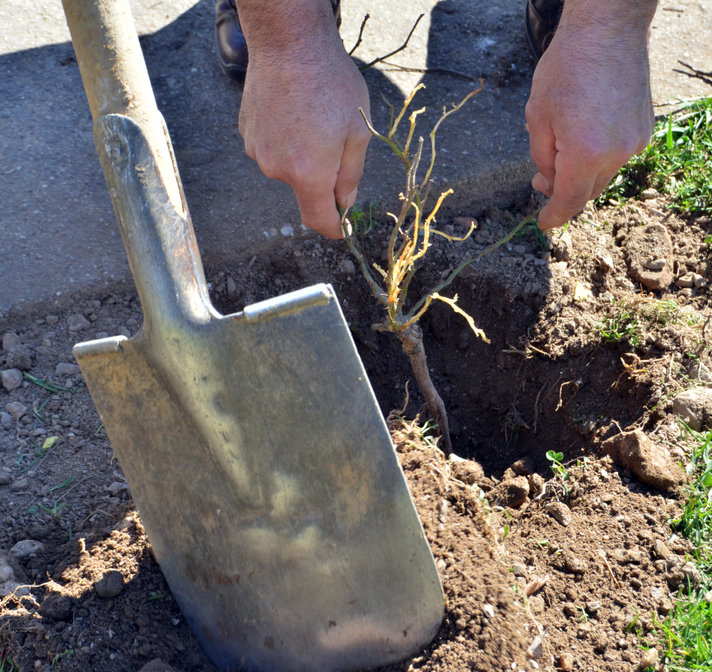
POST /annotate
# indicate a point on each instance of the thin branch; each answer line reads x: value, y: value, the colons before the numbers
x: 360, y: 34
x: 403, y: 46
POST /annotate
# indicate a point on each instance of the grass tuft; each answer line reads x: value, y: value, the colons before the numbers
x: 677, y: 162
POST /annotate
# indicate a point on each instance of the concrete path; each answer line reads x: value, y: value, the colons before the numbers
x: 58, y: 236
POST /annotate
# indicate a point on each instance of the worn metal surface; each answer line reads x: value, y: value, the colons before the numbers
x: 255, y: 450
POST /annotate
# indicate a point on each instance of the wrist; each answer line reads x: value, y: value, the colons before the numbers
x: 615, y: 16
x: 274, y: 27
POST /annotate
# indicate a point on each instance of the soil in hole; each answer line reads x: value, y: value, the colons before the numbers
x: 539, y: 572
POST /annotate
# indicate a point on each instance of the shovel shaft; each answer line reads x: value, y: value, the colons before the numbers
x: 142, y: 175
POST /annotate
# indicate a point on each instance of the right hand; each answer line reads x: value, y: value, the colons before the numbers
x: 300, y: 121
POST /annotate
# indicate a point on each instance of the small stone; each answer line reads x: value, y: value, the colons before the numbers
x: 574, y: 564
x: 21, y: 484
x: 10, y: 340
x: 665, y: 607
x: 519, y: 568
x: 655, y: 264
x: 536, y: 484
x: 51, y: 319
x: 649, y: 461
x: 6, y: 420
x: 560, y: 513
x: 685, y: 280
x: 626, y: 556
x: 650, y: 658
x: 648, y: 243
x: 649, y: 193
x: 56, y: 607
x: 16, y: 409
x: 660, y: 550
x: 230, y: 285
x: 489, y: 611
x: 566, y: 662
x: 694, y: 406
x: 110, y: 585
x: 117, y: 487
x: 11, y: 379
x: 5, y: 476
x: 67, y: 370
x: 467, y: 471
x: 77, y: 322
x: 536, y: 648
x: 25, y: 548
x: 593, y: 607
x: 19, y: 357
x: 347, y: 266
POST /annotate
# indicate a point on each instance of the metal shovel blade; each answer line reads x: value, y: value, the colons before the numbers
x: 256, y: 454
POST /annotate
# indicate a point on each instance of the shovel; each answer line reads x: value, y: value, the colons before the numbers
x: 256, y: 454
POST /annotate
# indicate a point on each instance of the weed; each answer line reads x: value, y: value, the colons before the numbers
x: 362, y: 220
x: 687, y: 630
x: 54, y: 512
x: 158, y: 595
x: 6, y: 664
x: 556, y: 465
x: 46, y: 384
x: 621, y: 326
x: 677, y: 162
x: 65, y: 655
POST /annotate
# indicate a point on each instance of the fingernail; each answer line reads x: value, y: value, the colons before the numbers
x: 350, y: 199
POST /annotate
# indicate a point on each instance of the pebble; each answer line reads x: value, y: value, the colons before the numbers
x: 660, y: 550
x: 650, y: 658
x: 694, y: 406
x: 19, y: 357
x: 560, y: 513
x: 574, y: 564
x: 626, y: 556
x: 67, y: 369
x: 649, y: 461
x: 117, y: 487
x: 16, y: 409
x: 489, y: 611
x: 5, y: 476
x: 649, y: 193
x: 56, y: 607
x: 347, y: 266
x: 566, y: 662
x: 11, y: 379
x: 655, y: 264
x: 536, y: 648
x: 10, y: 340
x: 109, y: 585
x: 77, y: 322
x: 26, y: 548
x: 6, y: 420
x: 20, y: 484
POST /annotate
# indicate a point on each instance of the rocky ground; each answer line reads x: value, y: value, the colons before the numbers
x: 599, y: 346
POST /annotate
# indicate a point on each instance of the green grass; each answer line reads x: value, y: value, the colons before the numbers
x: 6, y: 664
x: 687, y: 630
x: 677, y: 162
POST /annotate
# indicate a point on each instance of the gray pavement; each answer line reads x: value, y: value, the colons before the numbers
x: 58, y: 236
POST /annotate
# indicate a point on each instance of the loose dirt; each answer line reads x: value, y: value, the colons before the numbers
x: 593, y: 334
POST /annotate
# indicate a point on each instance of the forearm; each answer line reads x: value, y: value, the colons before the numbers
x: 629, y: 19
x: 278, y: 27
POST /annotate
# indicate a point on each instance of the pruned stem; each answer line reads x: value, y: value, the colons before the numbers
x: 412, y: 342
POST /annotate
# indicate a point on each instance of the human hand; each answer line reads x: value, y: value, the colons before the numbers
x: 300, y: 120
x: 590, y: 107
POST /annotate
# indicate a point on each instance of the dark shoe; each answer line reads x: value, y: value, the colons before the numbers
x: 230, y: 42
x: 541, y: 20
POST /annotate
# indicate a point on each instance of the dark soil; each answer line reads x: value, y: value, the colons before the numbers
x: 540, y: 572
